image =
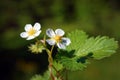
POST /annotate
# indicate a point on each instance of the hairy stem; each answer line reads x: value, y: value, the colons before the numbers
x: 58, y: 74
x: 50, y: 60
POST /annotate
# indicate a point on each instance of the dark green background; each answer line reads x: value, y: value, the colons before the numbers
x: 95, y: 17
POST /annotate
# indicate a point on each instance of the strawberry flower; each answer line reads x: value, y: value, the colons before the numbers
x: 57, y: 38
x: 31, y: 31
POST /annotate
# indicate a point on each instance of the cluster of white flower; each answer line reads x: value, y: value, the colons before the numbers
x: 56, y: 38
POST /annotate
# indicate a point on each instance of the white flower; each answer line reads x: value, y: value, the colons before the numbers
x: 31, y: 32
x: 57, y: 38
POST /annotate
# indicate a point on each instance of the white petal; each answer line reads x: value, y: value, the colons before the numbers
x: 61, y: 46
x: 66, y: 41
x: 59, y: 32
x: 30, y: 37
x: 24, y: 35
x: 50, y: 33
x: 28, y: 27
x: 37, y: 33
x: 37, y: 26
x: 50, y: 41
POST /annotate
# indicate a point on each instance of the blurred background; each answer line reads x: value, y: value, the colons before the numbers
x: 95, y: 17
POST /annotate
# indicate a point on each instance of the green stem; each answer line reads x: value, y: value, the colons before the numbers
x: 58, y: 74
x: 44, y: 39
x: 50, y: 60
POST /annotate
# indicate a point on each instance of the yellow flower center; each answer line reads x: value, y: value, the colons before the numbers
x: 31, y: 32
x: 57, y: 38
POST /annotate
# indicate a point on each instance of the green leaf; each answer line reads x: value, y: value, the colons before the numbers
x: 76, y: 56
x: 57, y: 65
x: 77, y: 38
x: 100, y: 46
x: 45, y: 76
x: 72, y: 64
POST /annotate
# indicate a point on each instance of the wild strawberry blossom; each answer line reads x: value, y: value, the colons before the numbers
x: 57, y: 38
x: 31, y: 31
x: 57, y: 67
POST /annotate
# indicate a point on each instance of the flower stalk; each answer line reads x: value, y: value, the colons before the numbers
x: 50, y: 60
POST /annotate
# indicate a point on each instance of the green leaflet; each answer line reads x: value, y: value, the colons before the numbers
x: 100, y: 46
x: 57, y: 65
x: 45, y: 76
x: 77, y: 38
x: 72, y: 64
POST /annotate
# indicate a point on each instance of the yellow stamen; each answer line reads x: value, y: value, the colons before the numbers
x: 31, y: 32
x: 57, y: 38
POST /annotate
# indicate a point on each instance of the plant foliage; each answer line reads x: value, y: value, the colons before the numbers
x: 82, y: 48
x: 76, y: 55
x: 45, y: 76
